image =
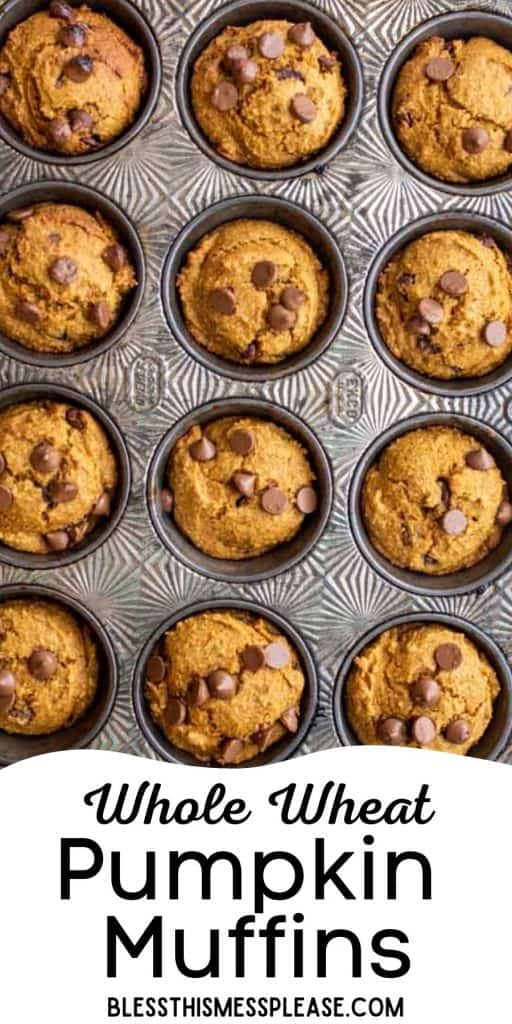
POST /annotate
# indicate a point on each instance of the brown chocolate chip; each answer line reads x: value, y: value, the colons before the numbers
x: 475, y: 139
x: 284, y: 73
x: 225, y: 96
x: 203, y: 450
x: 176, y: 711
x: 5, y: 498
x: 439, y: 69
x: 54, y: 237
x: 292, y: 298
x: 75, y: 419
x: 42, y: 664
x: 290, y: 719
x: 302, y: 34
x: 63, y: 271
x: 263, y: 274
x: 495, y: 333
x: 274, y: 501
x: 103, y: 505
x: 507, y: 142
x: 7, y: 690
x: 80, y: 531
x: 244, y: 483
x: 280, y: 318
x: 454, y: 522
x: 99, y: 313
x: 418, y: 325
x: 480, y: 459
x: 488, y: 241
x: 431, y: 311
x: 448, y: 656
x: 327, y: 63
x: 155, y: 669
x: 57, y: 540
x: 266, y: 738
x: 445, y: 490
x: 72, y: 35
x: 22, y: 213
x: 5, y: 82
x: 197, y: 692
x: 45, y: 458
x: 114, y: 256
x: 61, y: 10
x: 276, y: 655
x: 78, y: 69
x: 307, y: 500
x: 80, y: 120
x: 222, y: 300
x: 59, y: 131
x: 253, y: 657
x: 426, y: 691
x: 4, y: 242
x: 233, y: 55
x: 392, y: 731
x: 303, y: 108
x: 2, y: 463
x: 251, y: 352
x: 271, y: 45
x: 241, y: 441
x: 230, y: 751
x: 28, y: 312
x: 504, y: 514
x: 423, y: 730
x: 245, y: 72
x: 60, y: 492
x: 454, y: 283
x: 166, y: 500
x: 458, y: 731
x: 222, y: 685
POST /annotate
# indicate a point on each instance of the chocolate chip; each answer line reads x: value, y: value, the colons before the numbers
x: 79, y: 531
x: 7, y: 690
x: 197, y: 692
x: 302, y: 34
x: 454, y: 522
x: 78, y: 69
x: 103, y: 505
x: 327, y: 63
x: 75, y: 419
x: 276, y: 655
x: 63, y: 271
x: 251, y: 352
x: 392, y: 731
x: 166, y: 500
x: 45, y: 458
x: 431, y: 311
x: 263, y: 274
x: 475, y: 139
x: 230, y: 751
x: 244, y: 483
x: 16, y: 216
x: 495, y: 333
x: 303, y: 108
x: 222, y: 685
x: 99, y: 313
x: 203, y: 450
x: 504, y: 514
x: 507, y: 142
x: 2, y: 463
x: 292, y: 298
x: 57, y: 540
x: 225, y: 96
x: 439, y: 69
x: 445, y: 490
x: 423, y: 730
x: 28, y: 312
x: 42, y: 664
x: 281, y: 319
x: 5, y: 498
x: 480, y: 459
x: 290, y: 719
x: 61, y: 10
x: 233, y: 55
x: 72, y: 35
x: 176, y: 711
x: 271, y: 45
x: 80, y: 120
x: 54, y: 237
x: 426, y: 691
x: 453, y: 283
x: 5, y: 82
x: 4, y: 242
x: 114, y: 256
x: 284, y: 73
x: 155, y: 669
x: 61, y: 491
x: 417, y: 325
x: 274, y: 501
x: 253, y: 657
x: 245, y: 72
x: 307, y: 500
x: 241, y: 441
x: 266, y: 738
x: 458, y: 731
x: 488, y: 241
x: 59, y: 131
x: 448, y: 656
x: 222, y: 300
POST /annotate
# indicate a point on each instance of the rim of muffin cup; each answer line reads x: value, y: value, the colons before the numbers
x: 105, y: 527
x: 457, y: 220
x: 288, y: 215
x: 494, y: 739
x: 454, y: 25
x: 244, y: 12
x: 15, y: 746
x: 478, y: 576
x: 279, y: 559
x: 134, y: 23
x: 92, y: 201
x: 277, y: 752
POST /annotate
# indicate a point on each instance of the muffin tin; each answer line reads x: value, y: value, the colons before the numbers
x: 345, y: 391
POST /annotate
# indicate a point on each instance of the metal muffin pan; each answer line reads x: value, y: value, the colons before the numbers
x: 289, y: 215
x: 280, y: 751
x: 129, y: 18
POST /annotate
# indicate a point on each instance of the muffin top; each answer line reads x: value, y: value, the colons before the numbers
x: 421, y: 686
x: 268, y: 94
x: 444, y: 305
x: 49, y: 673
x: 240, y: 486
x: 435, y: 501
x: 253, y: 292
x: 224, y: 686
x: 452, y: 108
x: 57, y: 476
x: 63, y: 276
x: 70, y: 79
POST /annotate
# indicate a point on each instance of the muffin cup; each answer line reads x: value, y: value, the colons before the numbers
x: 279, y: 559
x: 105, y: 527
x: 494, y: 740
x: 278, y: 211
x: 478, y: 576
x: 92, y: 201
x: 135, y: 25
x: 243, y: 12
x: 280, y: 751
x: 457, y: 25
x: 457, y: 221
x: 15, y: 747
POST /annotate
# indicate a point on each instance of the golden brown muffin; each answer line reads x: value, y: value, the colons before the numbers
x: 435, y: 501
x: 452, y: 108
x: 253, y: 292
x: 49, y: 667
x: 444, y: 305
x: 57, y: 476
x: 70, y: 79
x: 268, y: 94
x: 421, y: 686
x: 224, y: 686
x: 63, y: 277
x: 240, y: 486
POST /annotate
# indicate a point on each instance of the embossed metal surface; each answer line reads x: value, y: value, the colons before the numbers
x: 147, y: 381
